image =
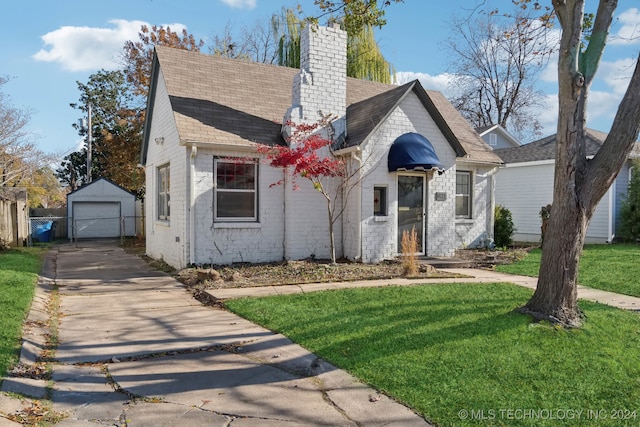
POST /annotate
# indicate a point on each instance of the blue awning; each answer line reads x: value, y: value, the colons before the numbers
x: 411, y: 152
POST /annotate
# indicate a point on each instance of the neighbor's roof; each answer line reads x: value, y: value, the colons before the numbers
x: 545, y: 148
x: 221, y: 100
x: 482, y: 130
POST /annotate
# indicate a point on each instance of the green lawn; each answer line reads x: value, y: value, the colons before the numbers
x: 613, y: 268
x: 446, y: 349
x: 19, y: 269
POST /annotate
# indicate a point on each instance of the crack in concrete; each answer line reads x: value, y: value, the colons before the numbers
x: 229, y: 348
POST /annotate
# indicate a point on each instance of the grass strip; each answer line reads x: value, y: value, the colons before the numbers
x: 612, y: 268
x: 19, y: 269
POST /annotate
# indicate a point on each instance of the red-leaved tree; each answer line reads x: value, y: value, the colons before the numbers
x: 309, y: 155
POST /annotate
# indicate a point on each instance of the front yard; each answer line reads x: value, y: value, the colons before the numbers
x: 614, y: 268
x: 459, y: 355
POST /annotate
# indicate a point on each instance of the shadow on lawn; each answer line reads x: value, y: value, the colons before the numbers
x: 403, y: 324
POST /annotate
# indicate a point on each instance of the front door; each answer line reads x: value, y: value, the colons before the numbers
x: 411, y: 208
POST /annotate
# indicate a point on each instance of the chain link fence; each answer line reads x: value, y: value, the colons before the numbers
x: 46, y: 229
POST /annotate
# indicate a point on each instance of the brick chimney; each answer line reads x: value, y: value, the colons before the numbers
x: 321, y: 85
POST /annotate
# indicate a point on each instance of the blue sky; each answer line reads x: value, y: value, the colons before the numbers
x: 46, y: 46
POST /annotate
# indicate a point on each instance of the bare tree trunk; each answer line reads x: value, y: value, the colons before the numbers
x: 579, y: 184
x: 556, y: 295
x: 332, y: 240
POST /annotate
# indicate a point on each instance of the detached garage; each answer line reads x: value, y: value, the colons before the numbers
x: 101, y: 209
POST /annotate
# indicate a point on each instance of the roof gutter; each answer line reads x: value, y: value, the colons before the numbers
x: 479, y: 162
x: 227, y: 146
x: 346, y: 151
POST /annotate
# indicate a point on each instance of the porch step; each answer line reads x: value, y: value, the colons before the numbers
x: 437, y: 262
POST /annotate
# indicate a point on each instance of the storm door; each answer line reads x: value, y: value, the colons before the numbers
x: 411, y: 208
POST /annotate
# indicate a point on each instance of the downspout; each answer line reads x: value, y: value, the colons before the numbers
x: 192, y: 214
x: 284, y: 213
x: 491, y: 183
x: 611, y: 232
x: 492, y: 207
x: 354, y: 156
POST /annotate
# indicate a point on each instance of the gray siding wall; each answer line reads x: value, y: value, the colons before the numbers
x: 525, y: 188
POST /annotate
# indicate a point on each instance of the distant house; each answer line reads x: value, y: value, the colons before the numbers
x: 525, y: 184
x: 497, y: 137
x: 209, y: 192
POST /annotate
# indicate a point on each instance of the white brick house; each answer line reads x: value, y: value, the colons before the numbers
x: 419, y: 162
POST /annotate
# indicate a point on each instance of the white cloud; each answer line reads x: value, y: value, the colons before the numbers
x: 550, y: 73
x: 602, y: 106
x: 548, y: 115
x: 628, y: 28
x: 616, y: 75
x: 240, y: 4
x: 601, y: 110
x: 90, y: 48
x: 439, y: 82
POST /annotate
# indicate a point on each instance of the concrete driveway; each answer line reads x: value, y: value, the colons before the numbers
x: 135, y: 349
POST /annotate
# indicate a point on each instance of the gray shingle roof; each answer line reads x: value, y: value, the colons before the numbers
x: 545, y: 148
x: 220, y: 100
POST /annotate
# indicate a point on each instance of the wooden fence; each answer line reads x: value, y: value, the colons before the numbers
x: 14, y: 216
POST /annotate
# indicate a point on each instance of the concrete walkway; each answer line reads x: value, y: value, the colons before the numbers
x: 471, y: 276
x: 135, y: 349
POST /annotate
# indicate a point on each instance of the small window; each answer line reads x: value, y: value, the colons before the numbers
x: 163, y: 193
x: 236, y: 197
x: 493, y: 139
x: 463, y: 194
x: 380, y: 201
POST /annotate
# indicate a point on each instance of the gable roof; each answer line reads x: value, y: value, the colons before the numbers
x: 545, y: 148
x: 365, y: 116
x: 484, y: 130
x: 226, y: 101
x: 95, y: 181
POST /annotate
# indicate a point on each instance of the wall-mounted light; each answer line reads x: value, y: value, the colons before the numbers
x: 159, y: 140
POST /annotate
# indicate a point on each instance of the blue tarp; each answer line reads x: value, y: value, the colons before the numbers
x: 412, y: 151
x: 43, y: 232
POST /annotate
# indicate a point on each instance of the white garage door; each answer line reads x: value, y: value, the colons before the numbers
x: 96, y: 219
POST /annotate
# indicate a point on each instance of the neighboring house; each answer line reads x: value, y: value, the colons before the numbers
x: 497, y: 137
x: 101, y: 209
x: 210, y: 194
x: 525, y: 184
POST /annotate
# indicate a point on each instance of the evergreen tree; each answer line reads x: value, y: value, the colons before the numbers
x: 630, y: 212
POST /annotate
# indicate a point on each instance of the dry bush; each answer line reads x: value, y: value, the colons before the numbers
x: 409, y: 245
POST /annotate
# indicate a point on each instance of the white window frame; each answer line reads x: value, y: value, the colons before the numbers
x: 217, y: 190
x: 163, y: 192
x: 383, y: 202
x: 469, y: 196
x: 493, y: 140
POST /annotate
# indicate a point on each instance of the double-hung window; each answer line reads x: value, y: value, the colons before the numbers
x: 464, y: 193
x: 163, y: 195
x: 235, y: 188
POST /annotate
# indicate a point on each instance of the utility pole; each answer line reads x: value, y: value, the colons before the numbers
x: 89, y: 143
